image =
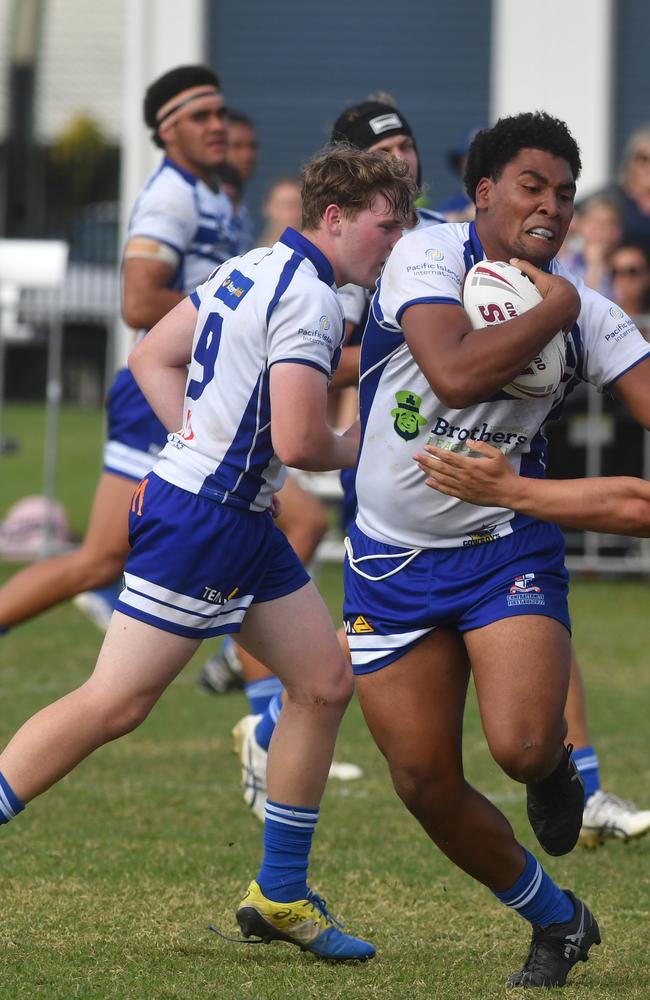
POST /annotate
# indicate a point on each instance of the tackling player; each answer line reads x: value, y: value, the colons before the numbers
x: 619, y: 505
x: 264, y: 336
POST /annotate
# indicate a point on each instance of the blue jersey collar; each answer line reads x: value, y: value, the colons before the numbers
x: 478, y: 253
x: 190, y: 178
x: 296, y: 241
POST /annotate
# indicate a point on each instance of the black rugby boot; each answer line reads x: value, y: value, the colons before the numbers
x: 554, y: 950
x: 555, y: 806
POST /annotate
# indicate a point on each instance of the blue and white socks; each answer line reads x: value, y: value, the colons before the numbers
x: 586, y: 760
x: 10, y: 804
x: 536, y: 897
x: 288, y: 833
x: 266, y: 725
x: 260, y: 693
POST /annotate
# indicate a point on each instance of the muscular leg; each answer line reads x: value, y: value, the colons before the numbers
x: 318, y: 684
x: 428, y: 687
x: 135, y: 665
x: 521, y: 672
x: 97, y: 562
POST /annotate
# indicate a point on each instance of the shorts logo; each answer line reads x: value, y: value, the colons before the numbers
x: 524, y: 590
x: 485, y: 534
x: 407, y: 417
x: 233, y: 289
x: 361, y: 626
x: 138, y: 497
x: 433, y: 254
x: 615, y: 312
x: 216, y: 596
x: 324, y: 323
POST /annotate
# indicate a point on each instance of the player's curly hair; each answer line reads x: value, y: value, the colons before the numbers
x: 494, y: 148
x: 168, y: 85
x: 349, y: 177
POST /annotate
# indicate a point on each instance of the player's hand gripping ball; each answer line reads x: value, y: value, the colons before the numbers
x: 494, y: 292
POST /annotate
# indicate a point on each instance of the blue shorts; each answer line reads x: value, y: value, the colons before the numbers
x: 461, y: 588
x: 196, y: 566
x: 135, y: 434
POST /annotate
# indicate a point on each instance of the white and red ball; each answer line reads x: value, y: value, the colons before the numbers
x: 494, y: 292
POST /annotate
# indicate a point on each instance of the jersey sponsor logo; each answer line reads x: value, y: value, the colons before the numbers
x: 233, y: 289
x: 524, y: 590
x: 433, y: 265
x: 487, y: 533
x: 321, y: 335
x: 217, y: 596
x: 138, y: 497
x: 186, y: 431
x: 450, y: 436
x: 407, y: 416
x: 621, y: 329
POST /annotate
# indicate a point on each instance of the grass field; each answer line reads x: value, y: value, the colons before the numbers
x: 110, y: 880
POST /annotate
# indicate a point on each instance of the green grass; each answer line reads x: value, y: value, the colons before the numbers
x: 109, y: 880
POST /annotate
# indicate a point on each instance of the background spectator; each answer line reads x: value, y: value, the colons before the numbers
x: 596, y: 232
x: 630, y: 270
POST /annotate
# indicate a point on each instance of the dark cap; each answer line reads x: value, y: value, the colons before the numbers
x: 364, y: 124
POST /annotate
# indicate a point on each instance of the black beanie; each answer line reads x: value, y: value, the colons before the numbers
x: 362, y: 125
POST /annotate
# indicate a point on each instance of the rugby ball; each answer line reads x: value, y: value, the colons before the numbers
x: 494, y: 292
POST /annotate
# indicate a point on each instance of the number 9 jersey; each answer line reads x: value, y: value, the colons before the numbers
x: 268, y: 306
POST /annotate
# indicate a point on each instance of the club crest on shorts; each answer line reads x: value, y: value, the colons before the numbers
x: 524, y: 590
x: 407, y: 417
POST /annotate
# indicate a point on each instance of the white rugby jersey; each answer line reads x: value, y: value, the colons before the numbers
x: 270, y: 305
x: 181, y: 211
x: 400, y: 412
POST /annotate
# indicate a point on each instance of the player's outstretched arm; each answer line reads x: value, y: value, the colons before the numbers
x: 302, y: 438
x: 616, y: 504
x: 159, y: 363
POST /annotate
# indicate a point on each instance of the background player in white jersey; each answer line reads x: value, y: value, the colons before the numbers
x: 435, y: 587
x: 180, y: 229
x: 207, y: 558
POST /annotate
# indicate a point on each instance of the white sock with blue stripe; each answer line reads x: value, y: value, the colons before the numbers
x: 10, y: 804
x: 288, y: 833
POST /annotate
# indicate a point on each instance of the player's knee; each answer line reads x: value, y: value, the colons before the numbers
x: 331, y: 691
x: 527, y: 758
x: 115, y: 714
x: 424, y: 792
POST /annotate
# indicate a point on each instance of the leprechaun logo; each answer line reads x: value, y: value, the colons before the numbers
x: 408, y: 418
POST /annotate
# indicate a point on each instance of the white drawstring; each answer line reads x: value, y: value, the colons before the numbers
x: 406, y: 556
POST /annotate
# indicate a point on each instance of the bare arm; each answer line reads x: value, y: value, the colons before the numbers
x: 347, y: 372
x: 616, y: 504
x: 146, y: 295
x: 465, y: 366
x: 159, y: 363
x: 633, y: 389
x: 301, y: 435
